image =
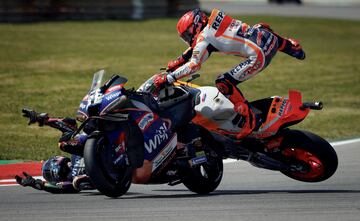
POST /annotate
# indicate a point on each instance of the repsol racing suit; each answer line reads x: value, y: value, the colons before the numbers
x: 258, y: 44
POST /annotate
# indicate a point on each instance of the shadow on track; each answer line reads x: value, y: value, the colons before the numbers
x: 246, y: 192
x: 137, y: 195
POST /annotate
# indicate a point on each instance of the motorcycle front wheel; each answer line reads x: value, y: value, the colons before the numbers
x: 205, y: 178
x: 111, y: 180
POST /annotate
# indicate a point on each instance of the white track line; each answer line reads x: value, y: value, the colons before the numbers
x: 14, y: 184
x: 14, y: 181
x: 336, y: 143
x: 344, y: 142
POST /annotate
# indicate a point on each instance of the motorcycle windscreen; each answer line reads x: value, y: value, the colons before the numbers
x: 82, y: 113
x: 97, y: 80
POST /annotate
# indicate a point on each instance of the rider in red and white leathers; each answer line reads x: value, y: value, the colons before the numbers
x: 221, y: 33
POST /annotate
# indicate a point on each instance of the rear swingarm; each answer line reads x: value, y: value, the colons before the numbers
x: 263, y: 161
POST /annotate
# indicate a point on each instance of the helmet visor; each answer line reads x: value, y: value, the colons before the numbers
x: 188, y: 35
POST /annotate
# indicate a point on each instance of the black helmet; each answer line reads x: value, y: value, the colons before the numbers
x: 57, y: 169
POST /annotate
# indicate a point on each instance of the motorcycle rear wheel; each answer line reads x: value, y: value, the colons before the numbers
x: 311, y: 157
x: 109, y: 180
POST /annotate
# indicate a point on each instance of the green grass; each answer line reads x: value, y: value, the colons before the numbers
x: 49, y: 66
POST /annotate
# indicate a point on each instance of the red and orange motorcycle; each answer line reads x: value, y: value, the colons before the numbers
x: 298, y: 154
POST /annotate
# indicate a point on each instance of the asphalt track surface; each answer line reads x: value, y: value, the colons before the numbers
x: 245, y: 194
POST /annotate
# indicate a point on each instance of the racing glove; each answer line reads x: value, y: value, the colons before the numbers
x: 82, y: 182
x: 29, y: 181
x: 173, y: 65
x: 161, y: 79
x: 34, y: 117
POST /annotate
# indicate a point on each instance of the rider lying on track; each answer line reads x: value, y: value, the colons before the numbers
x: 61, y: 174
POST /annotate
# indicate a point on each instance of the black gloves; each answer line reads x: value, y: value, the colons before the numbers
x: 29, y: 181
x: 35, y: 117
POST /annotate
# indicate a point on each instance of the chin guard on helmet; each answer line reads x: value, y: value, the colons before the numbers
x: 190, y: 25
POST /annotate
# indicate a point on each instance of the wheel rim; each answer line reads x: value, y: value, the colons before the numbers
x: 307, y: 165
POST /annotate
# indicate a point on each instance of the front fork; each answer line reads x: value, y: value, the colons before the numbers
x: 191, y: 154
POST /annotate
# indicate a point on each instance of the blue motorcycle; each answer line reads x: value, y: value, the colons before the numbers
x: 136, y: 137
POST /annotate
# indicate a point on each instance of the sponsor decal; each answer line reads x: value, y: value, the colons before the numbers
x: 118, y: 161
x: 218, y: 20
x: 267, y: 45
x: 271, y: 47
x: 198, y: 160
x: 239, y: 67
x: 146, y: 120
x: 182, y: 71
x: 165, y: 153
x: 114, y: 88
x: 203, y: 98
x: 112, y: 96
x: 121, y: 143
x: 234, y: 25
x: 259, y: 38
x: 282, y: 108
x: 160, y: 136
x: 253, y: 69
x: 120, y: 148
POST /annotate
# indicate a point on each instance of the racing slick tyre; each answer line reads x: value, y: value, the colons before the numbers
x: 311, y: 158
x: 205, y: 178
x: 111, y: 180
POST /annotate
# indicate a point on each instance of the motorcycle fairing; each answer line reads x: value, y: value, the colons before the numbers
x: 156, y: 132
x: 282, y: 112
x: 112, y: 91
x: 82, y: 113
x: 158, y: 143
x: 166, y: 154
x: 113, y: 99
x: 120, y: 149
x: 215, y: 112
